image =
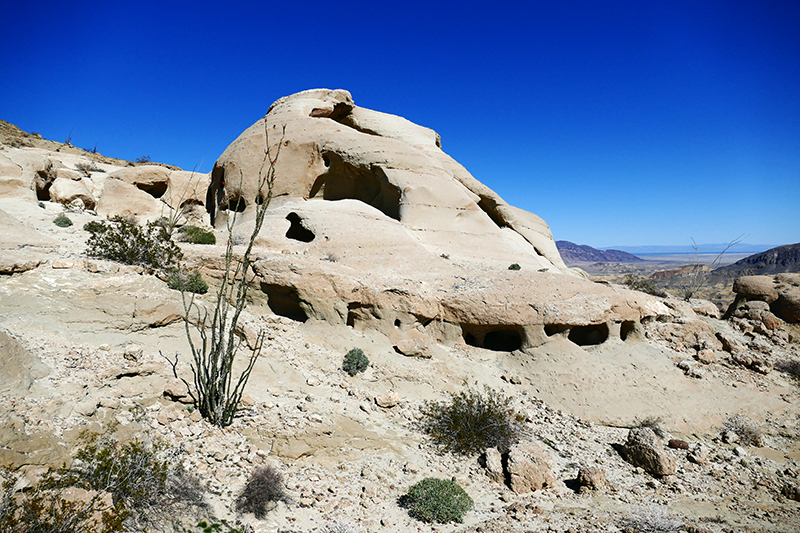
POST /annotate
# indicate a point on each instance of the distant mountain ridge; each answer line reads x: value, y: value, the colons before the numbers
x: 739, y: 248
x: 774, y: 261
x: 576, y: 253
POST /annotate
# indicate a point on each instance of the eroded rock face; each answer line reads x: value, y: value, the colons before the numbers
x: 530, y: 468
x: 766, y: 298
x: 372, y: 225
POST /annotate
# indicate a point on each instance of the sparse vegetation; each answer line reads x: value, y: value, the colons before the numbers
x: 471, y: 421
x: 213, y: 526
x: 437, y: 500
x: 187, y: 281
x: 214, y: 391
x: 129, y: 486
x: 262, y: 492
x: 197, y: 235
x: 514, y: 266
x: 698, y: 274
x: 355, y: 361
x: 638, y: 283
x: 747, y: 430
x: 143, y: 160
x: 651, y: 519
x: 62, y: 221
x: 652, y: 422
x: 125, y: 241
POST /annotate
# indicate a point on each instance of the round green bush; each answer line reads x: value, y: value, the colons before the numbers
x: 355, y: 361
x: 470, y: 422
x: 437, y: 500
x: 514, y: 266
x: 62, y: 221
x: 187, y: 281
x: 122, y: 240
x: 196, y: 235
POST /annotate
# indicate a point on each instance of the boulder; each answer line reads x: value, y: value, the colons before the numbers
x: 120, y: 198
x: 644, y: 449
x: 530, y: 468
x: 65, y: 191
x: 592, y: 478
x: 756, y: 288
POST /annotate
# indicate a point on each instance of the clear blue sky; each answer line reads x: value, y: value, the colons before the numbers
x: 619, y: 122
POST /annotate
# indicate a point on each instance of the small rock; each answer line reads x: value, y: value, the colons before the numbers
x: 176, y: 390
x: 530, y: 468
x: 706, y: 357
x: 196, y: 416
x: 387, y: 401
x: 592, y: 478
x: 678, y: 444
x: 699, y: 455
x: 416, y: 347
x: 494, y: 465
x: 644, y: 449
x: 740, y: 452
x: 312, y: 382
x: 132, y: 352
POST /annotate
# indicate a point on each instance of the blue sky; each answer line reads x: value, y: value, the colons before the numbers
x: 618, y: 122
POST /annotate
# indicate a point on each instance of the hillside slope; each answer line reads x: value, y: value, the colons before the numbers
x: 577, y: 253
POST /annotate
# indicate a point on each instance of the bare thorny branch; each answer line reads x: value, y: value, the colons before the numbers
x: 213, y: 390
x: 698, y: 276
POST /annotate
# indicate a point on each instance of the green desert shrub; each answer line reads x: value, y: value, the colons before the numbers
x: 355, y: 361
x: 262, y: 492
x: 437, y: 500
x: 197, y: 235
x: 122, y: 240
x: 62, y: 221
x: 187, y: 281
x: 638, y: 283
x: 145, y: 490
x: 471, y: 421
x: 514, y: 266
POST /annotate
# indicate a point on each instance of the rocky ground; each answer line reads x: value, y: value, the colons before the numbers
x: 83, y: 343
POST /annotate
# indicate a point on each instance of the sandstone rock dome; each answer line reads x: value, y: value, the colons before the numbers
x: 373, y: 225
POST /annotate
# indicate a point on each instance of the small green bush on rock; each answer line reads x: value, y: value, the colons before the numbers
x: 470, y: 422
x: 355, y: 361
x: 437, y: 500
x: 187, y: 281
x: 196, y: 235
x: 62, y: 221
x: 514, y: 266
x: 125, y: 241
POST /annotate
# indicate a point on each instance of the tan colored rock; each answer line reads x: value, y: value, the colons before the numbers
x: 643, y: 448
x: 494, y: 465
x: 756, y: 288
x: 65, y: 191
x: 416, y: 347
x: 592, y: 478
x: 530, y: 468
x: 123, y: 199
x: 387, y: 401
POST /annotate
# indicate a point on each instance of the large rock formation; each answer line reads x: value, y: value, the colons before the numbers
x: 373, y: 225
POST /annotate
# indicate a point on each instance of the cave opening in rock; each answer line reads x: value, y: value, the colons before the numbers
x: 495, y: 338
x: 555, y: 329
x: 156, y: 190
x: 627, y: 330
x: 365, y: 183
x: 235, y: 203
x: 590, y: 335
x: 284, y: 301
x: 296, y: 230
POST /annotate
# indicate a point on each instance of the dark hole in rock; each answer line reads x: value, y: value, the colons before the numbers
x: 191, y: 204
x: 365, y: 183
x: 43, y: 194
x: 397, y: 323
x: 284, y: 301
x: 495, y: 338
x: 627, y: 330
x: 502, y: 340
x: 296, y: 230
x: 357, y: 312
x: 555, y: 329
x: 156, y: 190
x: 235, y: 203
x: 589, y: 335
